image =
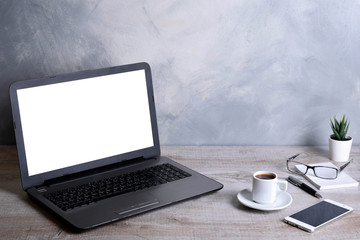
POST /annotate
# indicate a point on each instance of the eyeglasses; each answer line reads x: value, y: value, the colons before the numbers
x: 319, y: 171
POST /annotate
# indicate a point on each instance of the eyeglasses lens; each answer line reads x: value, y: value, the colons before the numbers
x: 325, y: 172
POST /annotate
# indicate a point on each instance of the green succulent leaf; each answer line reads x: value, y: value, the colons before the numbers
x: 337, y: 136
x: 347, y: 128
x: 337, y: 126
x: 343, y: 119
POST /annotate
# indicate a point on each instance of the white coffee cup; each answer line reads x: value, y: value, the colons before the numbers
x: 266, y: 187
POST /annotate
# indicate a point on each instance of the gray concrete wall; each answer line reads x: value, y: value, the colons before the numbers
x: 225, y: 71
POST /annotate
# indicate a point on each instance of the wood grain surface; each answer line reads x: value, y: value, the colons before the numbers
x: 215, y: 216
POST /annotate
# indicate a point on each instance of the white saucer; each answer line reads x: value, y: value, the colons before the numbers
x: 283, y: 200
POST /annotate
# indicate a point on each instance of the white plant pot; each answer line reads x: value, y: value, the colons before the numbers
x: 340, y: 150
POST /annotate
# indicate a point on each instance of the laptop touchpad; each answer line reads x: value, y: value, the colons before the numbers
x: 136, y: 202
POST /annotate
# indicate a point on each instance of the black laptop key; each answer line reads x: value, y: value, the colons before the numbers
x: 105, y: 188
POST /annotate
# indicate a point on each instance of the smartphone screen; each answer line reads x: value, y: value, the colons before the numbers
x: 317, y: 215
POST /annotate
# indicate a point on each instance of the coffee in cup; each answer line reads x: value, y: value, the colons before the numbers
x: 266, y: 186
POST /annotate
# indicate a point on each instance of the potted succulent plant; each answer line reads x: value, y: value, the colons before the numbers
x: 339, y: 143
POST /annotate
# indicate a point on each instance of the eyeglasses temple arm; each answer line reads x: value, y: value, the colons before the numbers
x: 293, y: 157
x: 345, y: 165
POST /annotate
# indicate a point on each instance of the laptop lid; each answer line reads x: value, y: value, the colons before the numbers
x: 74, y: 122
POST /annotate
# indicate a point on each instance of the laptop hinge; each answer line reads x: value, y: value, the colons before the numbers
x: 93, y: 172
x: 60, y: 180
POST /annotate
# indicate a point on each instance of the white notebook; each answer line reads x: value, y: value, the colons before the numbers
x: 343, y: 179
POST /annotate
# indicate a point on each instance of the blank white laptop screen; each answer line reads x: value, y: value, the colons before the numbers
x: 66, y: 124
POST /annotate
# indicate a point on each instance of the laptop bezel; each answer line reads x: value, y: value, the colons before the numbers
x: 39, y: 179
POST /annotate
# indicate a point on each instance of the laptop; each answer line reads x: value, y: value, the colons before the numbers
x: 88, y: 147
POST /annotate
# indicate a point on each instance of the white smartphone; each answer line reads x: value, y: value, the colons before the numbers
x: 318, y: 215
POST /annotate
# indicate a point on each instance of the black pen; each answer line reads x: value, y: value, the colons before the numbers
x: 303, y: 186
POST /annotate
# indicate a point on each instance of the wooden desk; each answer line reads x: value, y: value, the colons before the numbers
x: 215, y: 216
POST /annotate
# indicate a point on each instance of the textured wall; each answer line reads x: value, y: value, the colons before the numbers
x: 225, y: 71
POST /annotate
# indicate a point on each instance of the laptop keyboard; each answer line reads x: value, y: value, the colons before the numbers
x: 84, y: 194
